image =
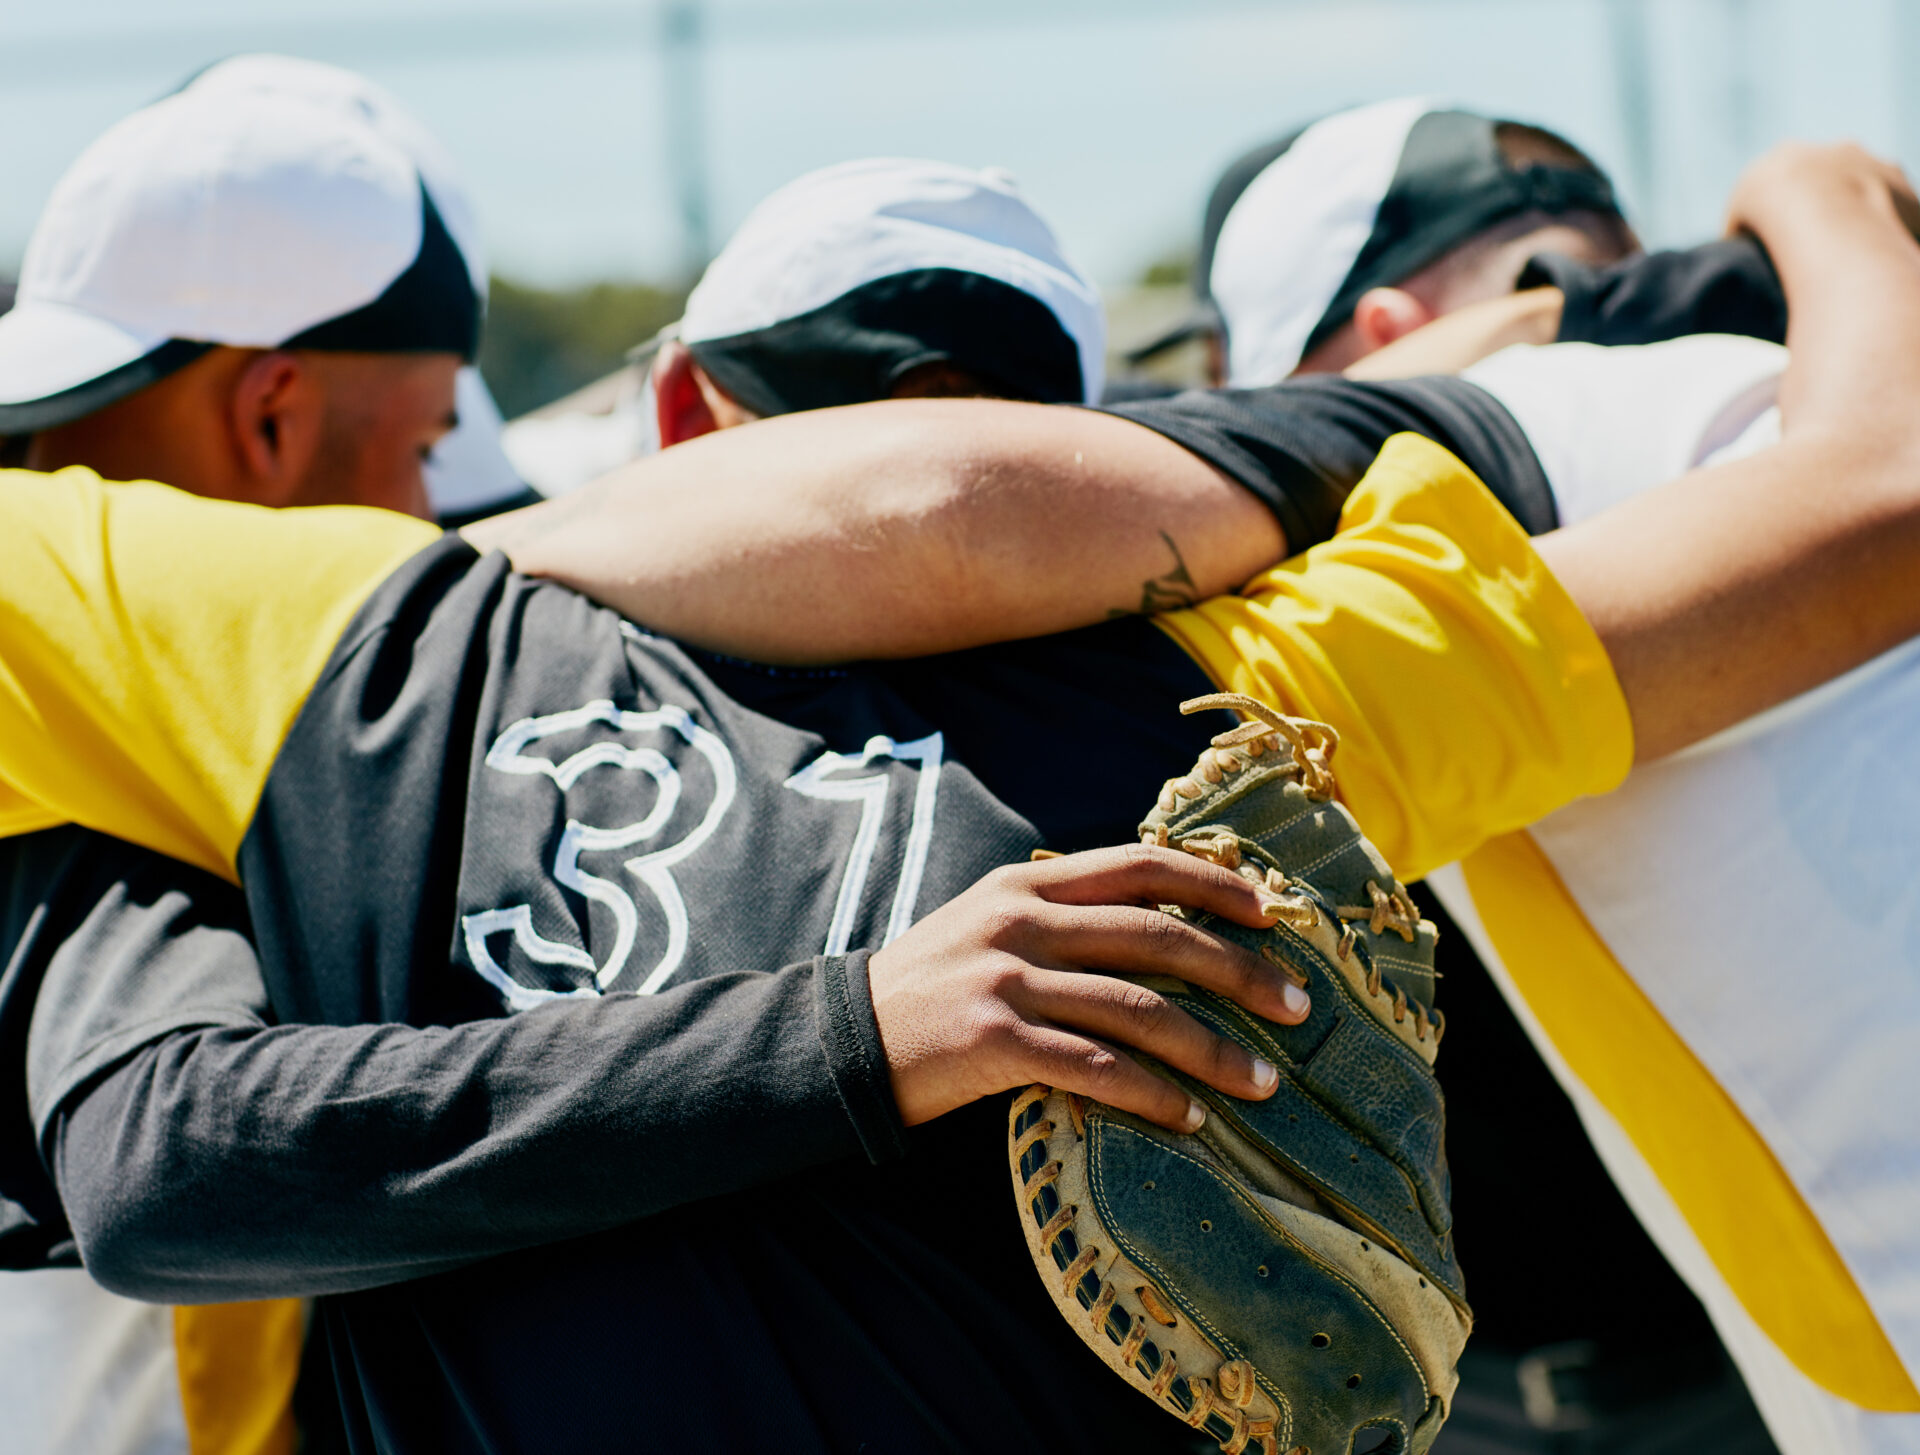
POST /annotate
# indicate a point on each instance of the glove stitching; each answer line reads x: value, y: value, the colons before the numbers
x: 1435, y: 1264
x: 1206, y: 1396
x: 1097, y: 1184
x: 1381, y: 957
x: 1351, y: 998
x: 1309, y: 867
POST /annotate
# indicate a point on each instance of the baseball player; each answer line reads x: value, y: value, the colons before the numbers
x: 1347, y: 234
x: 1661, y: 411
x: 262, y: 288
x: 231, y: 796
x: 1418, y: 219
x: 1805, y: 1162
x: 873, y: 279
x: 202, y: 393
x: 934, y: 310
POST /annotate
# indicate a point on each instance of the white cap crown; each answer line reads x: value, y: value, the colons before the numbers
x: 243, y: 222
x: 276, y: 75
x: 829, y: 232
x: 1292, y: 238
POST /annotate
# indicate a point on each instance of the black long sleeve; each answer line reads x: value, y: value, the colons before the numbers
x: 201, y: 1154
x: 1300, y: 446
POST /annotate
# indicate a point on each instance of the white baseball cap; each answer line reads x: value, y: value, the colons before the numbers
x: 275, y: 75
x: 249, y: 218
x: 846, y: 278
x: 1297, y: 230
x: 469, y: 472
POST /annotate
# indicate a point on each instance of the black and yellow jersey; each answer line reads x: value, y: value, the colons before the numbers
x: 449, y: 792
x: 227, y: 685
x: 155, y: 651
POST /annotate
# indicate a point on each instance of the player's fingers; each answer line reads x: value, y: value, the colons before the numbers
x: 1128, y: 940
x: 1101, y: 1072
x: 1144, y: 874
x: 1145, y: 1020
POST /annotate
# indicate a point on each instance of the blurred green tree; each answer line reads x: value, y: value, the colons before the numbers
x: 541, y: 343
x: 1172, y: 271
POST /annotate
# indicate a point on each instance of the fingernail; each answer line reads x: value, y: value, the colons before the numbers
x: 1295, y: 999
x: 1265, y: 1078
x: 1196, y: 1117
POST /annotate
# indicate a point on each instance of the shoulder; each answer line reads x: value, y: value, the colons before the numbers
x: 1303, y: 444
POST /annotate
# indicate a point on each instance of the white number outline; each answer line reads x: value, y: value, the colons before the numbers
x: 871, y: 794
x: 508, y: 755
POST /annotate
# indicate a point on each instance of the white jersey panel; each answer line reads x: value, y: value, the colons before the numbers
x: 1608, y: 423
x: 84, y: 1371
x: 1759, y: 888
x: 1802, y: 1417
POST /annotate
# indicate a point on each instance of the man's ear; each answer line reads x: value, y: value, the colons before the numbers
x: 276, y: 411
x: 1385, y: 314
x: 683, y: 411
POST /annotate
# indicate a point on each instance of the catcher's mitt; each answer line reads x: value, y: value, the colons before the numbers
x: 1283, y: 1278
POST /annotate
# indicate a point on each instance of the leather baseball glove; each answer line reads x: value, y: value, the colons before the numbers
x: 1283, y: 1278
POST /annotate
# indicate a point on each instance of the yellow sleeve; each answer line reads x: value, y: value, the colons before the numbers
x: 238, y: 1363
x: 1470, y: 694
x: 155, y: 648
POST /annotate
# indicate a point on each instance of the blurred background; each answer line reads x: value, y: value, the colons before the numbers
x: 611, y: 147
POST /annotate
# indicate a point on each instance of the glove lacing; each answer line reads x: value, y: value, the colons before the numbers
x: 1309, y: 744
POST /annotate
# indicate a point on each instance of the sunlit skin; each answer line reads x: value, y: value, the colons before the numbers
x: 972, y: 520
x: 274, y: 427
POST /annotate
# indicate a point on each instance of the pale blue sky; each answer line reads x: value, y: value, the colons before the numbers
x: 1115, y: 114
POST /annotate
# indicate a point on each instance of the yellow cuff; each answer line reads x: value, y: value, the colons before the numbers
x: 1470, y: 694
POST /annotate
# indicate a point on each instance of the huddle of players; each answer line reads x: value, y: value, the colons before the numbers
x: 746, y: 1205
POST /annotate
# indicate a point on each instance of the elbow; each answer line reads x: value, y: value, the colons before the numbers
x: 161, y: 1246
x: 133, y: 1216
x: 120, y: 1239
x: 128, y: 1282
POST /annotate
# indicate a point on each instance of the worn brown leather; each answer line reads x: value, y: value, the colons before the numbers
x: 1284, y: 1278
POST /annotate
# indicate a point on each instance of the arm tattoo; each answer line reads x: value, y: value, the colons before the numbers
x: 1168, y: 591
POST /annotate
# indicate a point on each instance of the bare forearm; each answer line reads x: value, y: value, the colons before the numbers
x: 898, y: 529
x: 1734, y: 588
x: 1839, y: 227
x: 1455, y: 341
